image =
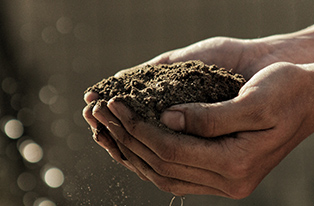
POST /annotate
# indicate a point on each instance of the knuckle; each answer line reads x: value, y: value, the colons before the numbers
x: 125, y: 139
x: 164, y: 170
x: 264, y: 116
x: 210, y: 121
x: 132, y: 127
x: 201, y: 121
x: 209, y: 127
x: 167, y: 153
x: 263, y: 112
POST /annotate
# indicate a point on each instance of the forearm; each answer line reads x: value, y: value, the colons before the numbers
x: 296, y: 47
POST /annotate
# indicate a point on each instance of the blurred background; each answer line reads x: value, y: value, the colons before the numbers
x: 52, y: 50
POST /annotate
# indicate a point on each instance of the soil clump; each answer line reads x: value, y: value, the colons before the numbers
x: 150, y: 90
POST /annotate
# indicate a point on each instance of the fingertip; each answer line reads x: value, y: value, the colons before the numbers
x: 90, y: 96
x: 116, y: 107
x: 110, y: 102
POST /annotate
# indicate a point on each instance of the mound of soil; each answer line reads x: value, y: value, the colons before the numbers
x: 150, y: 90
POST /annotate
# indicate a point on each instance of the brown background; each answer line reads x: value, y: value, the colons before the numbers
x: 68, y: 45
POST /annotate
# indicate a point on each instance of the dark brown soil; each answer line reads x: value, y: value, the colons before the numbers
x: 152, y: 89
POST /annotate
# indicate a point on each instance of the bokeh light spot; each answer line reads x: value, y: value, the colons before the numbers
x: 26, y: 181
x: 64, y: 25
x: 54, y: 177
x: 28, y: 32
x: 31, y: 151
x: 44, y: 202
x: 47, y: 203
x: 14, y: 129
x: 9, y: 85
x: 29, y: 198
x: 48, y: 94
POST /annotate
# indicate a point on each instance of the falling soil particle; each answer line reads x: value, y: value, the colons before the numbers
x: 150, y: 90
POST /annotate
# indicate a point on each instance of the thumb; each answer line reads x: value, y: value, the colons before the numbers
x: 212, y: 120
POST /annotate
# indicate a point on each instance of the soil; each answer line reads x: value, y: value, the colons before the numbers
x: 150, y: 90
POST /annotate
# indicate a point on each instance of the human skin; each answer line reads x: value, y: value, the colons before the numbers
x: 272, y: 114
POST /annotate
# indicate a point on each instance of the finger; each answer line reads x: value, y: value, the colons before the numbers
x: 90, y: 96
x: 242, y: 113
x: 88, y: 116
x: 175, y: 186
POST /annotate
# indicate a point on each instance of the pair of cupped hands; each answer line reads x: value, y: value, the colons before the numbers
x: 271, y: 115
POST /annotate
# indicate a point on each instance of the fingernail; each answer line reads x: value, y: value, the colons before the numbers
x: 175, y: 120
x: 92, y: 104
x: 118, y: 108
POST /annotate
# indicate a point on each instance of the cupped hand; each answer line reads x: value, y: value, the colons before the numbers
x: 244, y: 56
x: 272, y: 115
x: 267, y: 120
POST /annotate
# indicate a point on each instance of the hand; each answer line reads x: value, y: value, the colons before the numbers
x: 272, y: 115
x: 236, y: 54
